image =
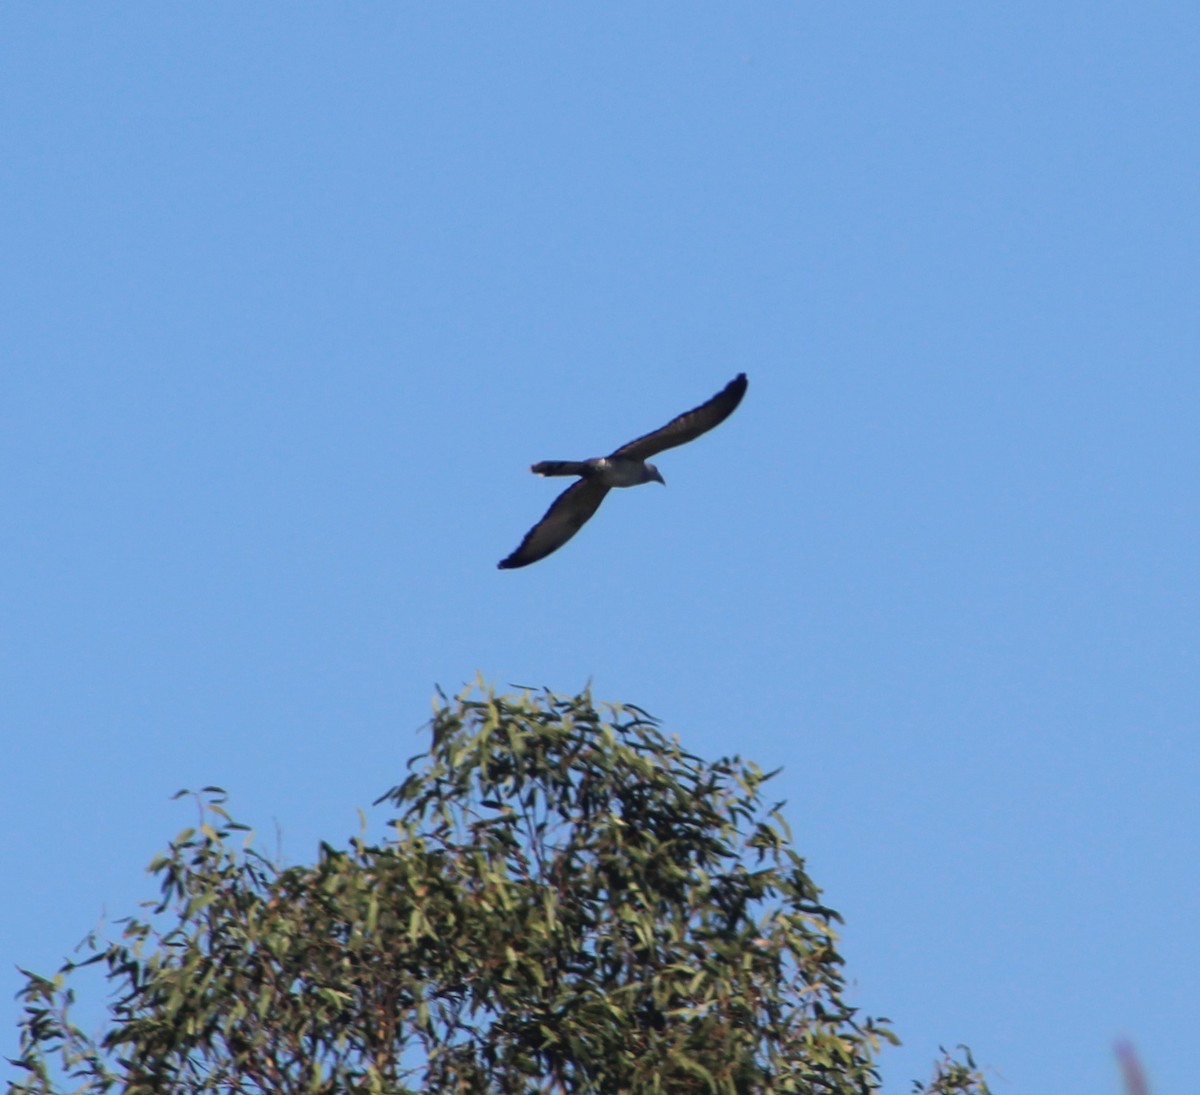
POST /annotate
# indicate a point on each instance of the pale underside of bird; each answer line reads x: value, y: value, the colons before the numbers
x: 626, y: 467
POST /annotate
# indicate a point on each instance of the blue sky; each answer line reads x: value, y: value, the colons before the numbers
x: 294, y: 294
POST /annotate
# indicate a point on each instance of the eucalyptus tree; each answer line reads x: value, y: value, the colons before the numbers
x: 562, y: 900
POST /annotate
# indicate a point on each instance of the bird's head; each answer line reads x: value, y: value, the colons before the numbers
x: 655, y: 474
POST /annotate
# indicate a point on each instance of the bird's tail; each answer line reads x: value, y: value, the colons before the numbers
x: 560, y: 467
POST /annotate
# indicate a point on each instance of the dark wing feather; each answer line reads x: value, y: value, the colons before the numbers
x: 689, y: 425
x: 568, y: 513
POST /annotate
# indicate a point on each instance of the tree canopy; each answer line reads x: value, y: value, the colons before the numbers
x: 564, y: 901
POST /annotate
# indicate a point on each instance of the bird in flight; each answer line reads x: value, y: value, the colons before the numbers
x: 628, y: 466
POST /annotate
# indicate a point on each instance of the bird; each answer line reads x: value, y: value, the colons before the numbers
x: 627, y: 466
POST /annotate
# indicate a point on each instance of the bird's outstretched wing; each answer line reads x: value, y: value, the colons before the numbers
x: 568, y: 513
x: 689, y: 425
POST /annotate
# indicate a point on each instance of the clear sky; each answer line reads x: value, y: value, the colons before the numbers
x: 292, y: 295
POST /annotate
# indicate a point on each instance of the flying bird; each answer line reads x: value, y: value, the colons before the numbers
x: 628, y: 466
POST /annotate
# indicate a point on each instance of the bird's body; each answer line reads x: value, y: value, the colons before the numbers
x: 612, y: 471
x: 628, y: 466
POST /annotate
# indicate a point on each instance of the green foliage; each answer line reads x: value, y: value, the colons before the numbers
x: 566, y: 902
